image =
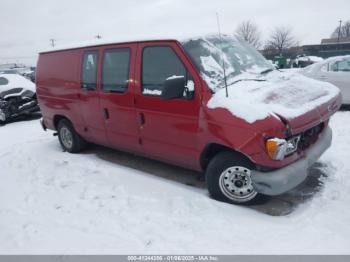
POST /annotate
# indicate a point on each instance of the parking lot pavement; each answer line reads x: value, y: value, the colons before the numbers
x: 275, y: 206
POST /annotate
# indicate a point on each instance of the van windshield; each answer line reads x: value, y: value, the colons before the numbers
x: 211, y: 53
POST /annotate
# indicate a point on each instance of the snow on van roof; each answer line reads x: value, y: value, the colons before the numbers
x: 107, y: 41
x: 120, y: 40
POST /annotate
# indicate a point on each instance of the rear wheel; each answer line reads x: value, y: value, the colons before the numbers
x: 69, y: 139
x: 228, y: 179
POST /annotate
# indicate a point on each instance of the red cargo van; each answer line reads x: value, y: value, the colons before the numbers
x: 211, y: 104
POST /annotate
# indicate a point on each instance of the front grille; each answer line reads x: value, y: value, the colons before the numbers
x: 309, y: 137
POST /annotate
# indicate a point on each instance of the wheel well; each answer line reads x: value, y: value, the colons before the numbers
x: 212, y: 149
x: 57, y: 119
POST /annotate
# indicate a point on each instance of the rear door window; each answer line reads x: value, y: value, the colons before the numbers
x: 89, y: 70
x: 115, y: 71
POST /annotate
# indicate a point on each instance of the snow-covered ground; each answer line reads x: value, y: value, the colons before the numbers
x: 53, y: 202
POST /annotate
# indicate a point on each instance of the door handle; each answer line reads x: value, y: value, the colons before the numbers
x: 141, y: 118
x: 106, y: 113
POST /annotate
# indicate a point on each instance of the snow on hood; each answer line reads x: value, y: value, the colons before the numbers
x: 288, y: 94
x: 16, y: 81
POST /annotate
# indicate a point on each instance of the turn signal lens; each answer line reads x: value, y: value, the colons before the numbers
x: 276, y: 148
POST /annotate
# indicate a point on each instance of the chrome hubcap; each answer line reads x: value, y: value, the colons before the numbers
x: 236, y: 184
x: 66, y: 137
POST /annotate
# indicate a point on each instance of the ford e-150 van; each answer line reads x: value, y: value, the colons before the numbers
x: 211, y: 104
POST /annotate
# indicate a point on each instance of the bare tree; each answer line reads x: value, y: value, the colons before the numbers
x: 281, y: 38
x: 248, y: 31
x: 344, y: 31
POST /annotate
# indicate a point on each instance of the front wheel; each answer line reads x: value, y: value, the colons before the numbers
x: 69, y: 139
x: 228, y: 179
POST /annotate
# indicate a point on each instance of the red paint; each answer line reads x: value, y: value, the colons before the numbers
x: 175, y: 131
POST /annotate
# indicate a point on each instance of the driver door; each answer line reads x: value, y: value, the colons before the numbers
x: 168, y: 128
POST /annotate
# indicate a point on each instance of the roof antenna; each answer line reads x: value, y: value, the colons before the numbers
x: 222, y: 56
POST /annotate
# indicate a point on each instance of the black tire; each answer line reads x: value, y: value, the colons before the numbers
x: 65, y: 128
x: 220, y: 169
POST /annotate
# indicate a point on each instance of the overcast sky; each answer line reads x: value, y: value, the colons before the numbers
x: 26, y: 26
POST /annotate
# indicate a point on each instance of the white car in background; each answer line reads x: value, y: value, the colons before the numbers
x: 335, y: 70
x: 17, y: 97
x: 304, y: 61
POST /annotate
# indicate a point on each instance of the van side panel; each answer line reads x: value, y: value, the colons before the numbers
x: 58, y: 83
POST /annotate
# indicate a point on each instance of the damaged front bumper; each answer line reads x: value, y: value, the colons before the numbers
x: 12, y: 109
x: 284, y: 179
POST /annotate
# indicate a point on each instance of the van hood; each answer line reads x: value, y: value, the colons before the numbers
x: 298, y: 101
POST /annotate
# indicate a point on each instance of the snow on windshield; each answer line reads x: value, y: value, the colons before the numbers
x: 212, y: 54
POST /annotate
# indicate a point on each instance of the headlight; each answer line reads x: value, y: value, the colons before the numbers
x: 278, y: 148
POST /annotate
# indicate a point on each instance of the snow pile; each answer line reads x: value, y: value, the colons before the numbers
x: 289, y: 94
x: 313, y: 59
x: 16, y: 81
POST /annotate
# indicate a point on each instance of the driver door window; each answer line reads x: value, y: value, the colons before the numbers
x: 158, y: 64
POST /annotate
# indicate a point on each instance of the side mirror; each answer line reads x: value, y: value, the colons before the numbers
x: 173, y: 87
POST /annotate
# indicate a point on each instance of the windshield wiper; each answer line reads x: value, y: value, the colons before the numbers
x: 246, y: 79
x: 266, y: 71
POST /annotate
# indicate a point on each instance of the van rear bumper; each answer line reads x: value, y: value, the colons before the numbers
x: 284, y: 179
